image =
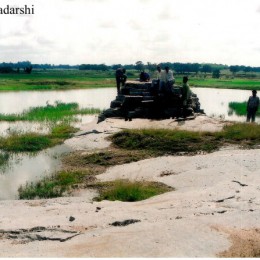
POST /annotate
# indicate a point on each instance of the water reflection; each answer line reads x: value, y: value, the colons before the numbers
x: 213, y: 101
x: 24, y: 168
x: 7, y: 128
x: 17, y: 102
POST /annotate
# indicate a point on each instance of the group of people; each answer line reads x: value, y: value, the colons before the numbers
x: 166, y: 81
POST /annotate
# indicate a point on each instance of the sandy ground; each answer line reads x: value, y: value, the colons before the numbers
x: 214, y: 210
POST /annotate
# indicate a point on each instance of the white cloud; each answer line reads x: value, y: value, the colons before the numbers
x: 116, y: 31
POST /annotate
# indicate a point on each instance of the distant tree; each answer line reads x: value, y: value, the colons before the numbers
x: 151, y: 66
x: 139, y: 65
x: 195, y: 67
x: 28, y: 69
x: 6, y: 69
x: 116, y: 66
x: 247, y: 69
x: 206, y: 69
x: 234, y: 69
x: 216, y: 74
x: 98, y: 67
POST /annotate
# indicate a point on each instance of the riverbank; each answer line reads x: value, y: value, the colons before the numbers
x: 215, y: 205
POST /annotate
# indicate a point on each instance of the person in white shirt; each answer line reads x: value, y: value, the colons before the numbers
x: 167, y: 80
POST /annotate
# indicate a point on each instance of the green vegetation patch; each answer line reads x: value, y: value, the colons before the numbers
x: 96, y: 163
x: 51, y: 187
x: 236, y: 83
x: 4, y: 157
x: 58, y: 111
x: 163, y: 141
x: 33, y: 142
x: 123, y: 190
x: 240, y: 108
x: 30, y: 142
x: 175, y: 141
x: 240, y: 133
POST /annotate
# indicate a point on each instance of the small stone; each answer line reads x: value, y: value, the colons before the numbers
x: 71, y: 218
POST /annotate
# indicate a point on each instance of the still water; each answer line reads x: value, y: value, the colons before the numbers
x: 24, y: 168
x: 213, y: 101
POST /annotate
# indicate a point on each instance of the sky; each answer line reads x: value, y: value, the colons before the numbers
x: 126, y: 31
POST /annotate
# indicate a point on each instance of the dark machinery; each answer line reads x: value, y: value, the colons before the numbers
x: 144, y: 100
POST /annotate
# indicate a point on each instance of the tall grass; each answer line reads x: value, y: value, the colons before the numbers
x: 240, y: 108
x: 58, y: 111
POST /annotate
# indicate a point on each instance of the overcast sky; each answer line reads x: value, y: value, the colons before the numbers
x: 125, y: 31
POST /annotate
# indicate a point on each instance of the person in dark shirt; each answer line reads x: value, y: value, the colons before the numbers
x: 120, y: 78
x: 252, y: 106
x: 144, y: 76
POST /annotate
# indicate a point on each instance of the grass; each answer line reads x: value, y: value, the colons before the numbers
x: 135, y: 145
x: 75, y: 79
x: 51, y: 187
x: 240, y: 133
x: 58, y: 111
x: 236, y: 83
x: 33, y: 142
x: 240, y: 108
x: 163, y: 141
x: 176, y: 141
x: 4, y: 157
x: 123, y: 190
x: 79, y: 169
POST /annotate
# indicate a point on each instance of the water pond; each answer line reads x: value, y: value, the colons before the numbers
x: 22, y: 168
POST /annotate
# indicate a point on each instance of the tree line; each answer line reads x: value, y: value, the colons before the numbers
x: 179, y: 68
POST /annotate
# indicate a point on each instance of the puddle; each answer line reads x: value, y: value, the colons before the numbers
x: 22, y: 168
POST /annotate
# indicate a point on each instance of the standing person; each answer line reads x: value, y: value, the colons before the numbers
x: 158, y: 73
x: 120, y: 78
x: 252, y: 106
x: 162, y: 80
x: 169, y: 79
x: 186, y: 92
x: 166, y: 79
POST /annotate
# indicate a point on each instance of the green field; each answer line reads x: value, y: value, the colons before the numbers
x: 77, y: 79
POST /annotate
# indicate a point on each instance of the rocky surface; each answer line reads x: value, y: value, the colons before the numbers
x: 214, y: 210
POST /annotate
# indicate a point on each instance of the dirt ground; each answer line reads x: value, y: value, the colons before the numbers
x: 213, y: 211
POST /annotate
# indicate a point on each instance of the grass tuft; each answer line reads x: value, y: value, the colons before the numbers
x: 50, y: 187
x: 33, y: 142
x: 130, y: 191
